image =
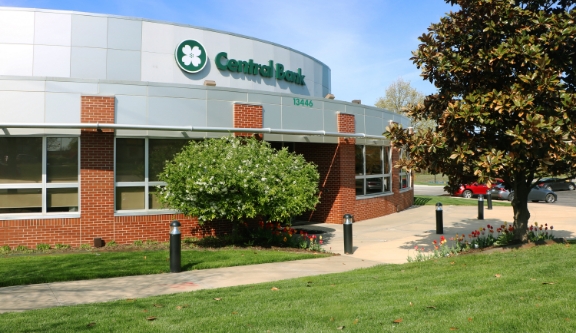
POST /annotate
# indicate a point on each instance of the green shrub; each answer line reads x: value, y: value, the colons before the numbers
x: 138, y: 243
x: 85, y: 246
x: 111, y: 243
x: 42, y: 247
x: 59, y: 246
x: 5, y: 249
x: 21, y: 248
x: 239, y: 178
x: 190, y: 240
x: 151, y: 242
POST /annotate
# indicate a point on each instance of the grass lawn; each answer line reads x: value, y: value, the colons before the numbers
x: 527, y: 290
x: 431, y: 200
x: 29, y: 269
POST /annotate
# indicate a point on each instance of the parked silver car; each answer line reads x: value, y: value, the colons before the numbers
x: 536, y: 194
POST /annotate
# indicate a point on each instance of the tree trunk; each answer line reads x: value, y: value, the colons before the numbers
x: 520, y: 206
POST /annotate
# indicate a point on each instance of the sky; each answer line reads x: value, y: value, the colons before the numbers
x: 366, y: 43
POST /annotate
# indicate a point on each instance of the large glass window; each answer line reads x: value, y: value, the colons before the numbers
x: 138, y: 164
x: 372, y: 170
x: 39, y: 175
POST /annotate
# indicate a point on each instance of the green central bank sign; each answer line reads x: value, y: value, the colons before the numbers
x: 250, y: 67
x: 191, y: 57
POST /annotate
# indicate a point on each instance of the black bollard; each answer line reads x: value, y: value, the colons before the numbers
x: 489, y: 199
x: 175, y: 248
x: 439, y: 219
x: 480, y: 207
x: 348, y: 234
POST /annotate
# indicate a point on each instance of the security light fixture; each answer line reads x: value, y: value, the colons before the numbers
x: 329, y: 96
x: 210, y: 83
x: 357, y: 101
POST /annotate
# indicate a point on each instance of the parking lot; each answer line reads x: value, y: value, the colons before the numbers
x: 565, y: 198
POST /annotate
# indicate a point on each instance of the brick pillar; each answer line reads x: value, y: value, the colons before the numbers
x: 336, y: 163
x: 346, y: 196
x: 97, y: 170
x: 248, y: 116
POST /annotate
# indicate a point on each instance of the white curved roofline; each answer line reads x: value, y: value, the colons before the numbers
x: 57, y: 11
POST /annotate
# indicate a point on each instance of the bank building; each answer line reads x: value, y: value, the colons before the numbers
x: 91, y: 103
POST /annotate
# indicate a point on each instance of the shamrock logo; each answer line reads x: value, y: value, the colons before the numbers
x: 191, y: 56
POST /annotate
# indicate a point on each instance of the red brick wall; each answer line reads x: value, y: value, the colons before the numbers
x: 326, y: 157
x: 125, y: 230
x: 344, y: 203
x: 33, y: 231
x: 336, y: 167
x: 156, y: 227
x: 97, y: 171
x: 248, y: 116
x: 97, y: 109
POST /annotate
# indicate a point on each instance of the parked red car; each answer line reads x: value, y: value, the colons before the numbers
x: 470, y: 190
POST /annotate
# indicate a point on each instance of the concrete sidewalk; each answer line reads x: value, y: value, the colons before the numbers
x: 385, y: 240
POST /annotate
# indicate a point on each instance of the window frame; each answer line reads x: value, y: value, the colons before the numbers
x: 146, y: 183
x: 385, y: 175
x: 403, y: 153
x: 44, y: 185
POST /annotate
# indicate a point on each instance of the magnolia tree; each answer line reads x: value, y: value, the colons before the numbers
x: 239, y: 178
x: 505, y: 104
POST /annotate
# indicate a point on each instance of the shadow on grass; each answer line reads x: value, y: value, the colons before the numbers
x: 189, y: 266
x: 419, y: 201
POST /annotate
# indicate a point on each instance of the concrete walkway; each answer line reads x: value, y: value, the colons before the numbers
x: 385, y: 240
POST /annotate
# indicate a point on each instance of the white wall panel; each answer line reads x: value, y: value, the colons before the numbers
x: 22, y: 107
x: 122, y: 89
x: 374, y: 126
x: 16, y: 27
x: 176, y: 111
x: 123, y: 65
x: 51, y: 61
x: 219, y: 114
x: 53, y: 29
x: 157, y: 67
x: 16, y: 59
x: 62, y: 108
x: 177, y: 92
x: 294, y: 117
x: 157, y: 38
x: 124, y: 34
x: 131, y: 110
x: 359, y: 124
x: 88, y: 63
x: 90, y: 31
x: 72, y: 87
x: 22, y: 85
x: 185, y: 33
x: 272, y: 116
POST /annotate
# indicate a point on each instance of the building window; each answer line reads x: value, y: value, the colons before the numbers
x: 138, y: 163
x: 373, y: 172
x: 39, y: 175
x: 405, y: 175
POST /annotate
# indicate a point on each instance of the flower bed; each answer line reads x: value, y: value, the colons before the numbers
x: 267, y: 234
x: 481, y: 238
